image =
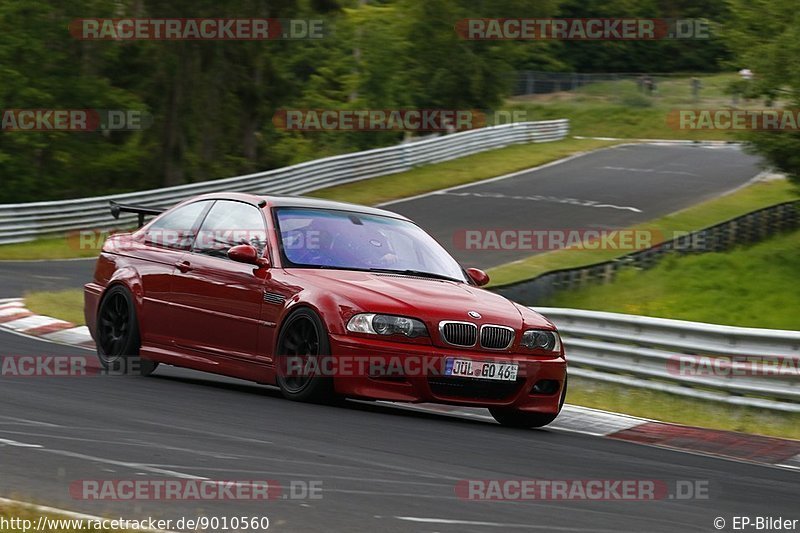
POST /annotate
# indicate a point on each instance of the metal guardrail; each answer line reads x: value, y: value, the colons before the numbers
x: 24, y: 222
x: 691, y: 359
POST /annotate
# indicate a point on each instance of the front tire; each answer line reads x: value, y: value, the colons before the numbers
x: 302, y: 344
x: 118, y: 340
x: 520, y: 419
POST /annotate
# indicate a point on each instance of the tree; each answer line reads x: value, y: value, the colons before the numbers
x: 766, y: 36
x: 43, y: 67
x: 667, y: 55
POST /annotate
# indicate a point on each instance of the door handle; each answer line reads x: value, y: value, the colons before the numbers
x: 184, y: 266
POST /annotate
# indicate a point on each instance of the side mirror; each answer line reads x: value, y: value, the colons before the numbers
x: 244, y: 253
x: 477, y: 275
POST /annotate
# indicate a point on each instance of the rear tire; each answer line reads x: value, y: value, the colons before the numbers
x: 302, y: 342
x: 118, y: 340
x: 520, y: 419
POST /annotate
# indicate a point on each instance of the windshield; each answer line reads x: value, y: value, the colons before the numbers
x: 356, y: 241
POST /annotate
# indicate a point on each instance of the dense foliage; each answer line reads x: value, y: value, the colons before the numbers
x: 212, y: 103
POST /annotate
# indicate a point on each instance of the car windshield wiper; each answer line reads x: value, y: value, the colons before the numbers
x: 419, y: 273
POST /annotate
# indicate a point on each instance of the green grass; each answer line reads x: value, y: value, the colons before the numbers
x: 753, y: 286
x: 64, y: 247
x: 619, y: 109
x: 688, y: 411
x: 596, y: 119
x: 744, y: 200
x: 65, y: 305
x: 456, y: 172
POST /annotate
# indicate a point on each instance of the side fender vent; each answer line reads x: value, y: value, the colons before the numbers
x: 274, y: 298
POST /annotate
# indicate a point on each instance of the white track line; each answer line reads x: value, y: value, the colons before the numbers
x: 447, y: 521
x: 6, y: 442
x: 793, y: 463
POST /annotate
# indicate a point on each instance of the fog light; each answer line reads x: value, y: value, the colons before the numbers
x: 545, y: 386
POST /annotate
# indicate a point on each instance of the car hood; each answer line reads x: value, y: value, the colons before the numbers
x: 431, y: 300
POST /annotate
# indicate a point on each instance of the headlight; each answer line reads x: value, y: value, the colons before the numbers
x: 387, y: 325
x: 541, y: 339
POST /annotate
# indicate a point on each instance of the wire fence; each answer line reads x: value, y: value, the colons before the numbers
x: 726, y: 89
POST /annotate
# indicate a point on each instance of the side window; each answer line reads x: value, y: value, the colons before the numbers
x: 228, y: 224
x: 176, y: 228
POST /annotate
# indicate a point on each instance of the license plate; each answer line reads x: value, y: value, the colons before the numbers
x: 481, y: 369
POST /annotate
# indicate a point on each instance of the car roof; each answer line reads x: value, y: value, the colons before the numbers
x: 298, y: 201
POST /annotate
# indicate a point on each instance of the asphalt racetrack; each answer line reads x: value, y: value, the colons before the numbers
x: 380, y: 467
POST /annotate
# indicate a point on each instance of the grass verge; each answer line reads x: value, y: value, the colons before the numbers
x: 57, y: 247
x: 753, y: 286
x: 744, y: 200
x: 65, y: 305
x: 688, y: 411
x: 619, y: 121
x: 620, y: 109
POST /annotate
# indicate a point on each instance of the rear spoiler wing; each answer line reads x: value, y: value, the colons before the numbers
x: 116, y: 209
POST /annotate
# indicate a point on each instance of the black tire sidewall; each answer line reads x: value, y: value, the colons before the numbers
x: 320, y: 389
x: 133, y: 342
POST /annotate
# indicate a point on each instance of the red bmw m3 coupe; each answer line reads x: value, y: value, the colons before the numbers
x: 323, y: 299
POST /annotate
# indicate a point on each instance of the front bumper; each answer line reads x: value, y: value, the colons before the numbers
x: 418, y: 384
